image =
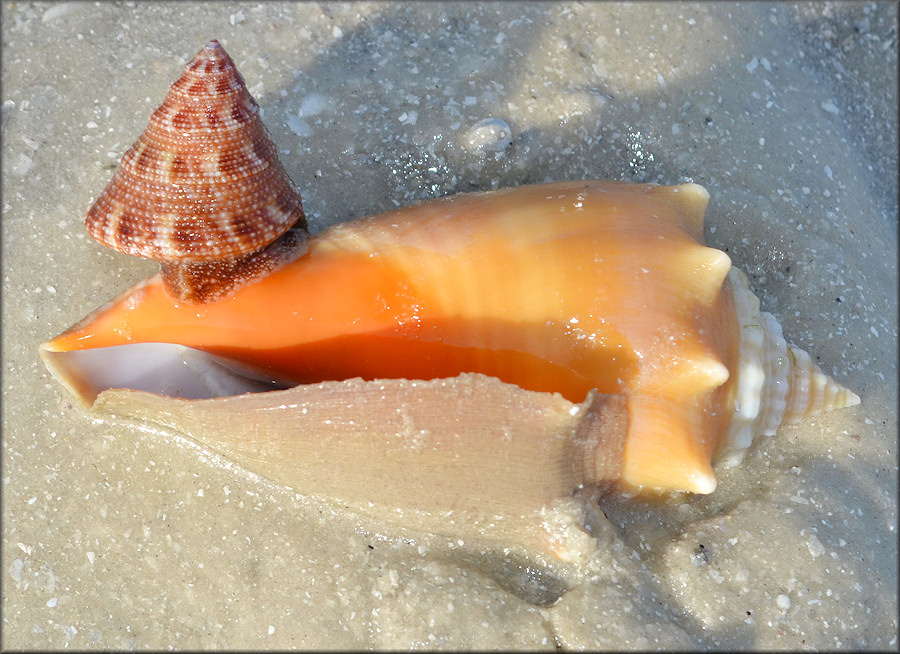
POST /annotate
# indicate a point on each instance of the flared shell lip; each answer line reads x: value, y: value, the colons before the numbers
x: 165, y: 369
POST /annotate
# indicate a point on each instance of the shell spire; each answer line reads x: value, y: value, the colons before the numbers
x: 812, y: 391
x: 202, y: 189
x: 776, y: 382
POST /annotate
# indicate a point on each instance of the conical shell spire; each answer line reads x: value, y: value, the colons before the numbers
x: 812, y: 391
x: 202, y: 189
x: 775, y: 383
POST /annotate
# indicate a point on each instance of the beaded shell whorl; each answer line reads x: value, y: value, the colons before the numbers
x: 202, y: 190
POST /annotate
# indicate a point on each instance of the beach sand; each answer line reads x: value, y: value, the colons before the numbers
x: 121, y: 538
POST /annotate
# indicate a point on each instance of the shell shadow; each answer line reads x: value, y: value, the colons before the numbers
x: 651, y: 524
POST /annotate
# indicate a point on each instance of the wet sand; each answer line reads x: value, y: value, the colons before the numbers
x: 117, y: 537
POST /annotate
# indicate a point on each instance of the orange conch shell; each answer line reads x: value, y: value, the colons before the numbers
x: 202, y: 184
x: 564, y: 287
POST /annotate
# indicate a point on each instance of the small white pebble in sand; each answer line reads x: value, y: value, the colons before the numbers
x: 409, y: 117
x: 783, y: 602
x: 831, y: 107
x: 489, y: 135
x: 752, y: 65
x: 815, y: 547
x: 828, y: 172
x: 51, y: 602
x: 314, y: 104
x: 16, y: 568
x: 271, y: 629
x: 299, y: 126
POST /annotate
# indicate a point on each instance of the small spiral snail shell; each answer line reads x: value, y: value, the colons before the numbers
x: 202, y: 190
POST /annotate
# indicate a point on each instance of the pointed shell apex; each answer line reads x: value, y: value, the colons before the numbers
x: 775, y: 383
x: 203, y: 182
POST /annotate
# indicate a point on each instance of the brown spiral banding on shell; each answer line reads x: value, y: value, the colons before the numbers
x: 202, y: 184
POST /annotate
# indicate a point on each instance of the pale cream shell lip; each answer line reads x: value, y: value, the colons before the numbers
x: 164, y: 369
x: 469, y: 456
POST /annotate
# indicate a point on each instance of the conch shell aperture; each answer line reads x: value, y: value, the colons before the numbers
x: 569, y: 291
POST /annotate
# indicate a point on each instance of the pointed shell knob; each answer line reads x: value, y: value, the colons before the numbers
x: 202, y: 190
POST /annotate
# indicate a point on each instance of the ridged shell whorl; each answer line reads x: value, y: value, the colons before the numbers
x: 202, y: 190
x: 776, y: 383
